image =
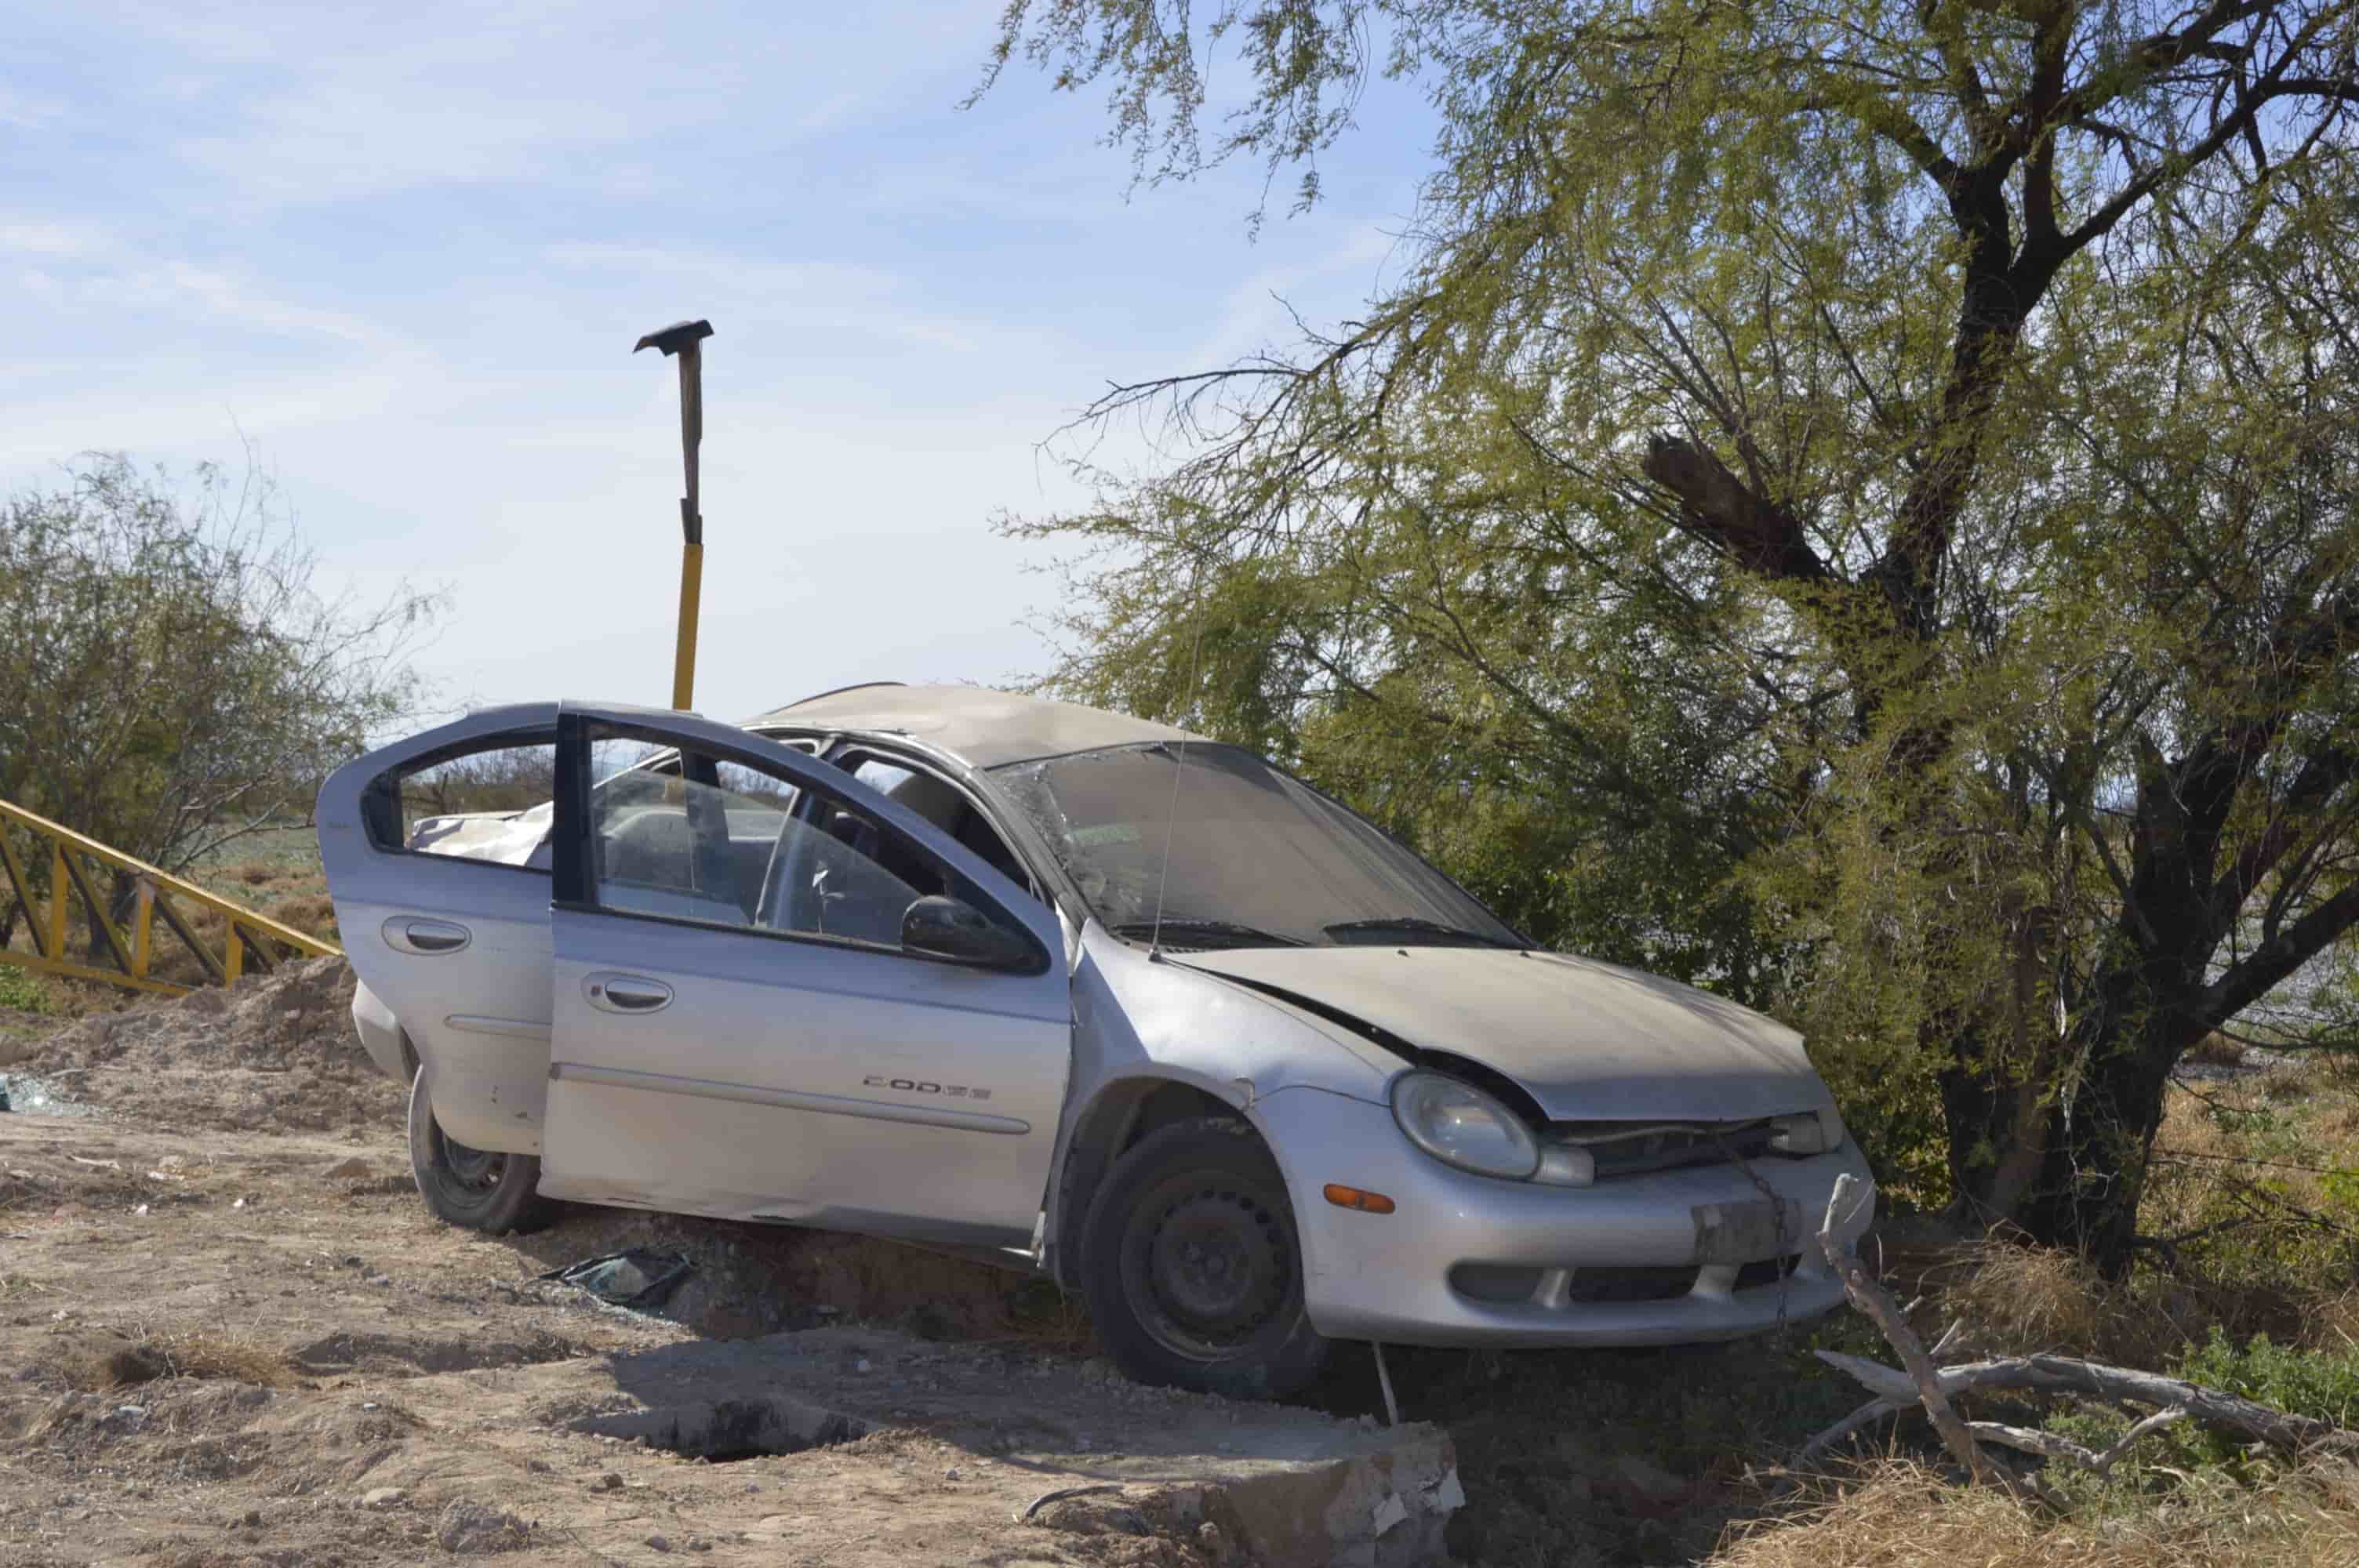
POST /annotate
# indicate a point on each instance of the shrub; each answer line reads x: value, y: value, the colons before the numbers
x: 2321, y: 1384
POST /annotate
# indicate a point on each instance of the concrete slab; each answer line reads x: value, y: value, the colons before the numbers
x: 1289, y: 1486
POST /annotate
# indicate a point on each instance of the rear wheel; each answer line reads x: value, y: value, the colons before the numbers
x: 479, y: 1188
x: 1192, y: 1269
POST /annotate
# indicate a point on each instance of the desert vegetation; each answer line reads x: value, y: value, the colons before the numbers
x: 1853, y: 507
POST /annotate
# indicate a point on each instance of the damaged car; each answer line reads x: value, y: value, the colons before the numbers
x: 1070, y: 990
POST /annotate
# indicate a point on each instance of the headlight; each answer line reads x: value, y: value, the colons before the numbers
x: 1813, y: 1133
x: 1460, y: 1125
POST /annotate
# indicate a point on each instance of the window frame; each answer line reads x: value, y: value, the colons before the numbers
x: 855, y: 750
x: 572, y: 858
x: 376, y: 792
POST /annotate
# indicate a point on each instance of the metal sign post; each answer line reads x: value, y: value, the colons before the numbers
x: 680, y: 340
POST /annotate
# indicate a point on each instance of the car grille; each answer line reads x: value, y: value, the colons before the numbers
x: 1636, y: 1149
x: 1510, y: 1284
x: 1596, y: 1285
x: 1768, y: 1271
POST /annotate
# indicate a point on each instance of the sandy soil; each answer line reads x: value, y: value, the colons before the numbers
x: 368, y: 1385
x: 231, y: 1333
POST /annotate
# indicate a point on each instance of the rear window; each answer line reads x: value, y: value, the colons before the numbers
x: 490, y: 801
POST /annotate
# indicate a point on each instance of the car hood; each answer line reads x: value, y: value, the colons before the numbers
x: 1589, y: 1041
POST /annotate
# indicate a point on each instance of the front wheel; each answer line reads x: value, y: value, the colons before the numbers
x: 1191, y: 1267
x: 478, y: 1188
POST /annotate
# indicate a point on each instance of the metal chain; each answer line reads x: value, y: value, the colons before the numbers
x: 1777, y: 1209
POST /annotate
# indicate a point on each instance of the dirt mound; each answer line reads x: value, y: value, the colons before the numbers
x: 274, y: 1052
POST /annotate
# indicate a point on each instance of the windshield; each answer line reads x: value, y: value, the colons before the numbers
x: 1257, y: 858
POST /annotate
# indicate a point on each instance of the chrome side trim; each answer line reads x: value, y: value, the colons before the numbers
x: 479, y: 1023
x: 790, y: 1099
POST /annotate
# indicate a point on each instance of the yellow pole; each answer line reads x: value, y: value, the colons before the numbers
x: 142, y: 929
x: 680, y: 340
x: 56, y: 900
x: 683, y: 662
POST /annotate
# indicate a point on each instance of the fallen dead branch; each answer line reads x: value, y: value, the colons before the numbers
x: 1923, y: 1379
x: 1919, y: 1381
x: 2068, y: 1375
x: 2052, y: 1445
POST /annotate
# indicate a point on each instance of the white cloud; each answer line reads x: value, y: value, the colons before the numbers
x: 842, y: 299
x: 27, y: 112
x: 59, y: 239
x: 405, y: 253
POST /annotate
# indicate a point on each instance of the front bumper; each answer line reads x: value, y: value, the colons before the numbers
x: 1451, y: 1265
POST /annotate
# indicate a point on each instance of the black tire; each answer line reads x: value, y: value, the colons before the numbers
x: 473, y: 1187
x: 1192, y: 1269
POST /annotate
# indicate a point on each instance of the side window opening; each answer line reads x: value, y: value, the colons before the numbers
x: 488, y: 801
x: 943, y: 805
x: 716, y: 841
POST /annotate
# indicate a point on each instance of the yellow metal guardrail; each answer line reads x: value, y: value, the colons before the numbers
x: 247, y: 935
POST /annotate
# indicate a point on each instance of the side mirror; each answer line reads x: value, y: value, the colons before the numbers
x: 943, y: 927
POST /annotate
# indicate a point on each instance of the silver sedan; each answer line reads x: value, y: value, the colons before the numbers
x: 1070, y: 990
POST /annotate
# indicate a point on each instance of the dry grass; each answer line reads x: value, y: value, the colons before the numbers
x: 2025, y: 1299
x: 1903, y: 1515
x: 191, y: 1353
x: 2216, y: 1050
x: 2255, y: 1191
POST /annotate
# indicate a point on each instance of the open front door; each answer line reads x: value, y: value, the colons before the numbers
x: 779, y: 995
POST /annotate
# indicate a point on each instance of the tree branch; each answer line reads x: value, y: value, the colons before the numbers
x: 1716, y: 507
x: 2248, y: 981
x: 1923, y: 1379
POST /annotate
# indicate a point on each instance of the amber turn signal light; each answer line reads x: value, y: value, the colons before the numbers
x: 1342, y: 1196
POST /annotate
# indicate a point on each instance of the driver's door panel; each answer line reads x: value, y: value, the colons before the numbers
x: 736, y: 1032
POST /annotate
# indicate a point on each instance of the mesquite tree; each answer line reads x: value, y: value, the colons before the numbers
x: 1866, y: 492
x: 170, y: 679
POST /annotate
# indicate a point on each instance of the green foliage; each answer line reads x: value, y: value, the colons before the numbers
x: 22, y: 990
x: 2320, y: 1384
x: 1856, y: 508
x: 170, y: 681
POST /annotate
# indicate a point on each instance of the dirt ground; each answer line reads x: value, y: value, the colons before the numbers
x: 231, y: 1333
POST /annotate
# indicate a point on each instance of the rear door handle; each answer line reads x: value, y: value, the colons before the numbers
x: 431, y: 937
x: 625, y: 993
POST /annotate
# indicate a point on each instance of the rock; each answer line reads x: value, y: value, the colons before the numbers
x: 473, y: 1528
x: 1650, y: 1486
x: 383, y: 1497
x: 658, y: 1544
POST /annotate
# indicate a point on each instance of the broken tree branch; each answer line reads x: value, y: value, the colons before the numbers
x: 1868, y: 1414
x: 1922, y: 1375
x: 2068, y: 1375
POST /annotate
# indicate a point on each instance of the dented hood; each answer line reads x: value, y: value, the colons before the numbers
x: 1590, y: 1040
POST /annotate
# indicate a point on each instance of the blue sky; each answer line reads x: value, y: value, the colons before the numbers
x: 404, y: 251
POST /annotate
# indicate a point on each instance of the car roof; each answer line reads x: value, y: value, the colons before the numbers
x: 987, y: 729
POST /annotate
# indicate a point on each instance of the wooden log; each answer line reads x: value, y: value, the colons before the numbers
x: 2069, y: 1374
x: 1922, y: 1381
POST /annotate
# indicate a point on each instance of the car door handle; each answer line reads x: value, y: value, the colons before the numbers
x: 627, y: 993
x: 430, y: 937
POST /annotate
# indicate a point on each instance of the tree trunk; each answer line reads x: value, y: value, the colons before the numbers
x: 2062, y: 1155
x: 2100, y: 1140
